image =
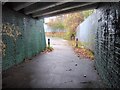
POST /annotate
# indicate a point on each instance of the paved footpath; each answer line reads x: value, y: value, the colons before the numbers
x: 60, y: 68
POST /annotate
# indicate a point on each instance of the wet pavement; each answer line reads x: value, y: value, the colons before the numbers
x: 60, y: 68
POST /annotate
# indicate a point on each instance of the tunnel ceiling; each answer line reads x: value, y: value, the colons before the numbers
x: 47, y: 9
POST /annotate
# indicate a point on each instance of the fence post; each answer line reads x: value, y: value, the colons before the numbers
x: 48, y: 42
x: 76, y: 42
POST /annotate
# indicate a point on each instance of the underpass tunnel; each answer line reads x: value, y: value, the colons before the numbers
x: 23, y: 34
x: 26, y: 19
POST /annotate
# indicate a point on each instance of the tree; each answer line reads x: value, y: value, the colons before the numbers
x: 56, y: 23
x: 71, y: 22
x: 87, y: 13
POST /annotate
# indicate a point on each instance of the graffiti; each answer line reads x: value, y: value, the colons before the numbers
x: 11, y: 31
x: 3, y: 47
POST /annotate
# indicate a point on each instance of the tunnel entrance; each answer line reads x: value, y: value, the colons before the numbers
x: 23, y: 37
x: 76, y: 28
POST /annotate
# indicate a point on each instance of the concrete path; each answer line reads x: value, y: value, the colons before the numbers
x: 58, y: 69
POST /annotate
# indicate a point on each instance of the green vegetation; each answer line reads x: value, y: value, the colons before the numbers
x: 87, y: 13
x: 57, y: 24
x: 69, y: 22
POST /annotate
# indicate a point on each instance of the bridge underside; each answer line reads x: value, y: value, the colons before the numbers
x: 47, y: 9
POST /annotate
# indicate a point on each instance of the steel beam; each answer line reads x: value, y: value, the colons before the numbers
x: 47, y: 6
x: 36, y: 7
x: 65, y: 5
x: 88, y: 7
x: 64, y: 9
x: 3, y: 3
x: 42, y: 8
x: 22, y: 5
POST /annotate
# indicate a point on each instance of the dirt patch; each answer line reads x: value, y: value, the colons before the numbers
x: 81, y: 51
x: 84, y: 53
x: 48, y: 49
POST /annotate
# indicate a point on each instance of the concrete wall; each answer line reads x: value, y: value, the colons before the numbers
x: 86, y: 32
x: 107, y: 44
x: 22, y: 37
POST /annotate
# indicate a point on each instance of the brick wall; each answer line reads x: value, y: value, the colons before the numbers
x: 107, y: 48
